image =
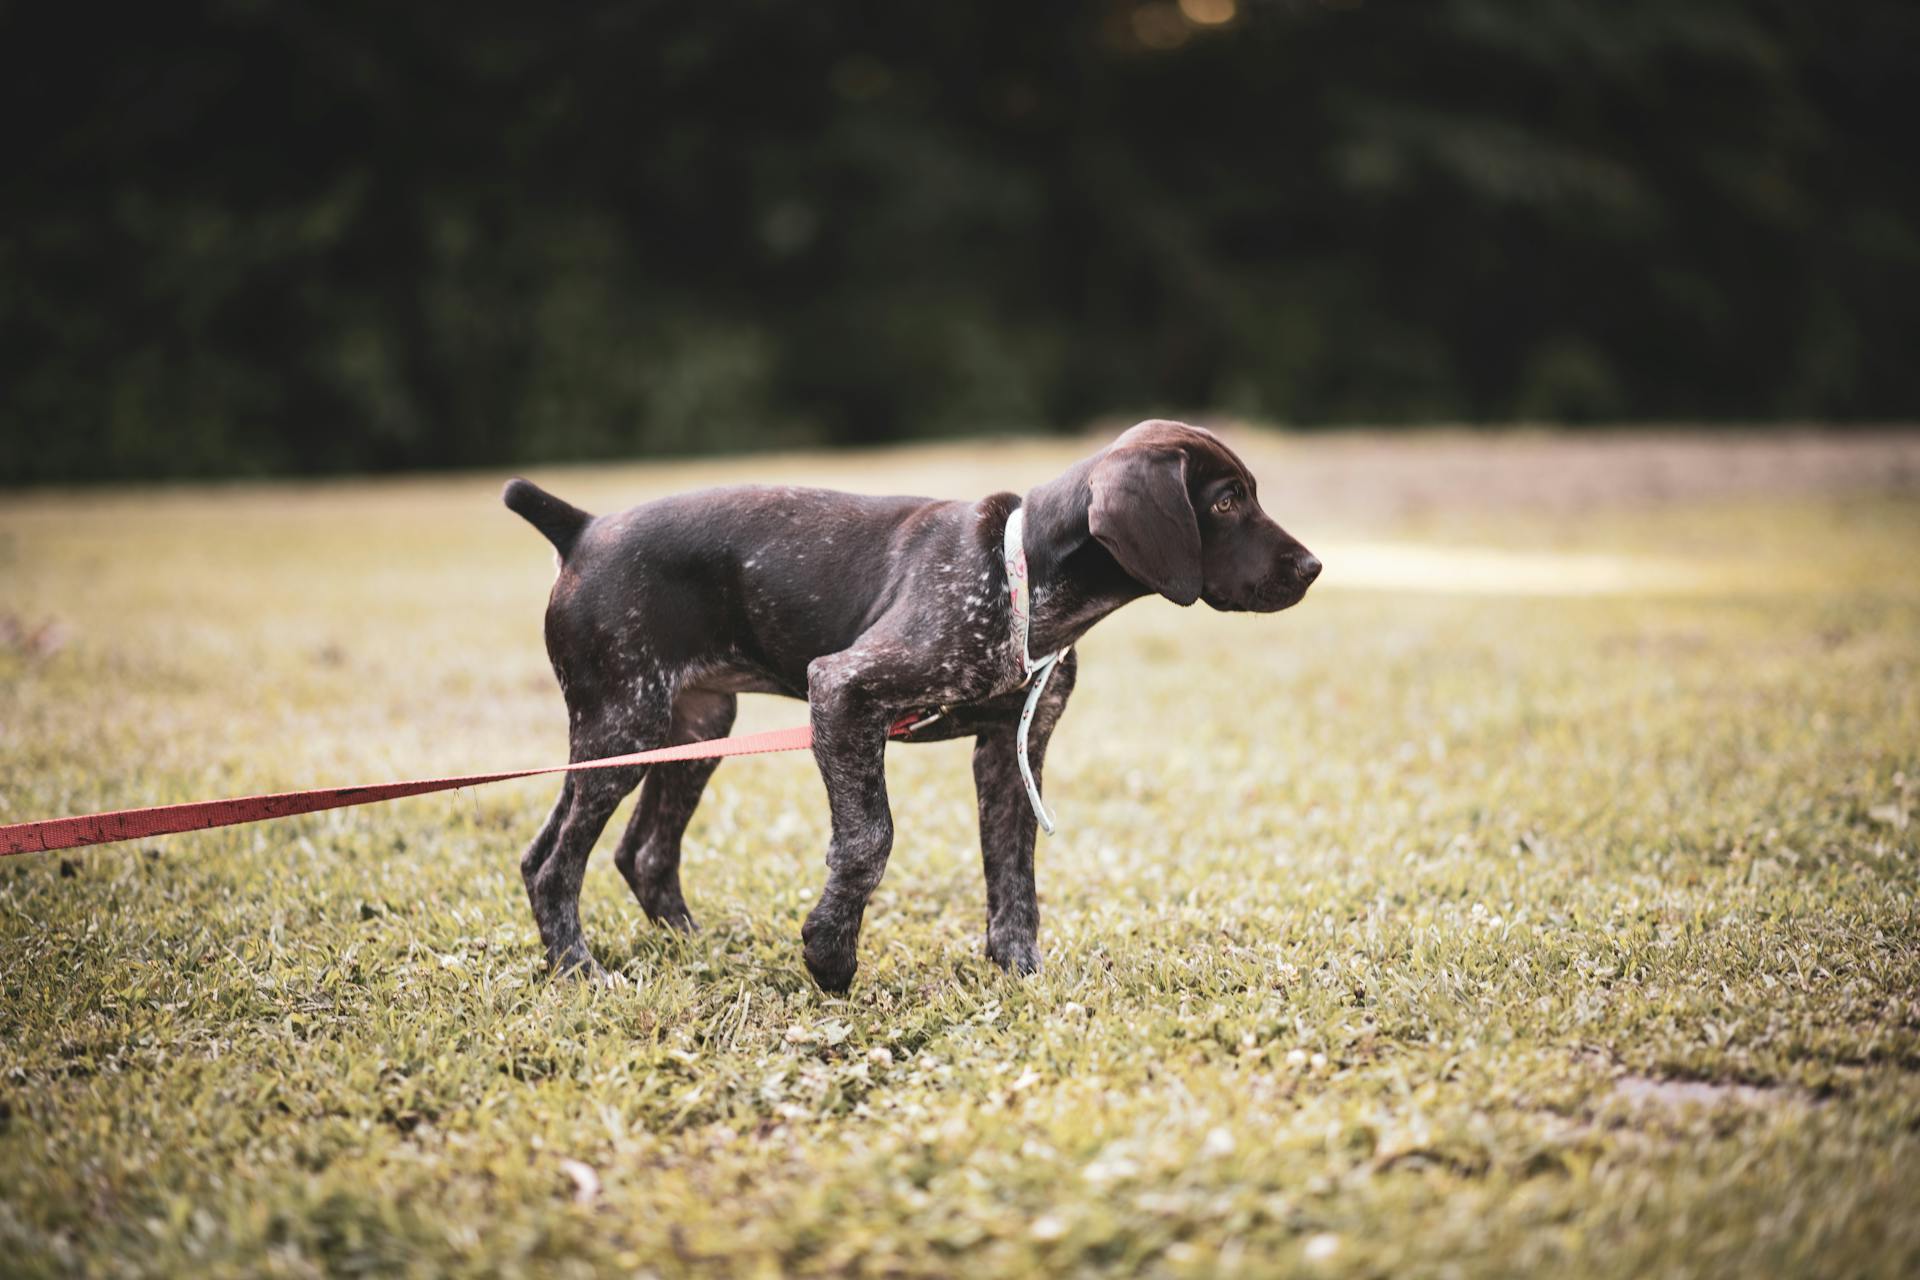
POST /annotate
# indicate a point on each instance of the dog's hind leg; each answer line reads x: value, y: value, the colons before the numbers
x: 649, y: 852
x: 591, y: 796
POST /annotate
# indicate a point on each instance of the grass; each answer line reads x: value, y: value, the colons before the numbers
x: 1435, y: 928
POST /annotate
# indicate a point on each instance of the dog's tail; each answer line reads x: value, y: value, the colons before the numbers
x: 561, y: 522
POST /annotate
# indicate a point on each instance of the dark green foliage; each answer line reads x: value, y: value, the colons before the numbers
x: 261, y: 235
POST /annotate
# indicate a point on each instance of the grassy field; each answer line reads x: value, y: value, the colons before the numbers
x: 1539, y: 894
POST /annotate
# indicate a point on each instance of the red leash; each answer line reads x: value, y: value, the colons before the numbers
x: 168, y: 819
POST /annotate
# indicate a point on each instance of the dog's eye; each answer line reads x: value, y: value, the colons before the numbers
x: 1224, y: 503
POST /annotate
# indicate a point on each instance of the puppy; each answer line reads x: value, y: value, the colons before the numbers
x: 959, y: 617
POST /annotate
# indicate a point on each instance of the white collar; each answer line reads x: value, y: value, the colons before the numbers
x: 1020, y: 603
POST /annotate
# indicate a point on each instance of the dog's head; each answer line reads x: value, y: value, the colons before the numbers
x: 1182, y: 515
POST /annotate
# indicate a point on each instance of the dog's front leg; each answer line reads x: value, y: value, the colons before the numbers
x: 849, y: 745
x: 1007, y: 826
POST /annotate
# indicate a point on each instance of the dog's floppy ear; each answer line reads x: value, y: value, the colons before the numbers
x: 1141, y: 513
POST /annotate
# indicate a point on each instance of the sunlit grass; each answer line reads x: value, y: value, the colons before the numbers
x: 1367, y: 928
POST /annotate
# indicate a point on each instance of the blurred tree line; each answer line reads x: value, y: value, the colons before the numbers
x: 247, y: 236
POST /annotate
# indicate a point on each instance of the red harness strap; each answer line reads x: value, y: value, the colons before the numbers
x: 168, y: 819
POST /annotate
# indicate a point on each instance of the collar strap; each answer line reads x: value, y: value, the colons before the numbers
x: 1020, y: 600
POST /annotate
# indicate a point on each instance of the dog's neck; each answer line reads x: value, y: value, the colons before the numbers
x: 1075, y: 581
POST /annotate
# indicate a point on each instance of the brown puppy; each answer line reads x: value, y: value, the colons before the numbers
x: 871, y: 609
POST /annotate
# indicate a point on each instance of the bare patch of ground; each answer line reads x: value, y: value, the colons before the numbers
x: 1654, y: 1093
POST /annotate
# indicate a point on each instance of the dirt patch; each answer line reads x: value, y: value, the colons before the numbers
x: 1651, y: 1093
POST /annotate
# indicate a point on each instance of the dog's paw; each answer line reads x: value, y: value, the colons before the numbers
x: 680, y: 921
x: 578, y: 964
x: 832, y: 975
x: 664, y: 906
x: 1019, y: 956
x: 829, y: 953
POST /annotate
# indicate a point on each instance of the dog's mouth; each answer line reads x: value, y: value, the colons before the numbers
x: 1284, y: 588
x: 1265, y: 600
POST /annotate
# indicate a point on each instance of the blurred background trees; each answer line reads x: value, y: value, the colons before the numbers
x: 246, y: 236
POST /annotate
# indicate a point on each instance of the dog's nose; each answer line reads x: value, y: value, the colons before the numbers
x: 1308, y: 569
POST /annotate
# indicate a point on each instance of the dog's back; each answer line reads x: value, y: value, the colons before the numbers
x: 760, y: 577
